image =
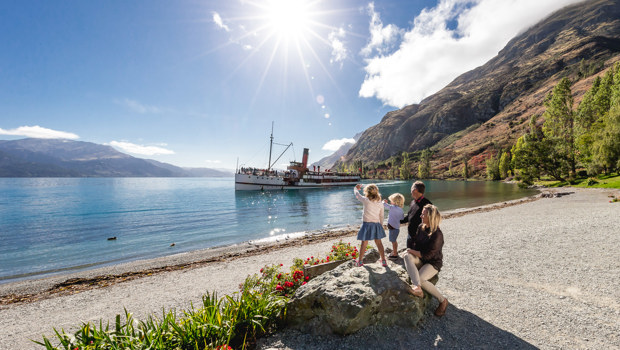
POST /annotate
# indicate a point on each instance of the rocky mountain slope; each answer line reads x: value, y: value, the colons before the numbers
x: 487, y: 108
x: 66, y: 158
x: 329, y: 161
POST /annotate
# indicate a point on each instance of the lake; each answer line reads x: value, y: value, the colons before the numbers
x: 57, y: 225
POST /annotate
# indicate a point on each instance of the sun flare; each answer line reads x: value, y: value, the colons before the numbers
x: 288, y: 18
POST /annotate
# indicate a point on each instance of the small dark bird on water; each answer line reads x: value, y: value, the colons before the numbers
x: 172, y: 245
x: 112, y: 238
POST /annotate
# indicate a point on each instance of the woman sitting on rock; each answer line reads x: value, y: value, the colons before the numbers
x: 424, y: 258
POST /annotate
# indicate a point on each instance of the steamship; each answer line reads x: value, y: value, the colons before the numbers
x: 296, y: 176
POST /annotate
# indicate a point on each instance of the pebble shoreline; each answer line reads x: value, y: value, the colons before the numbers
x: 517, y: 277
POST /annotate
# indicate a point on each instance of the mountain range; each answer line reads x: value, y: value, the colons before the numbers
x: 66, y: 158
x: 486, y: 109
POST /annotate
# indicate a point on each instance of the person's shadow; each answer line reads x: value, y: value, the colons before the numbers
x: 458, y: 328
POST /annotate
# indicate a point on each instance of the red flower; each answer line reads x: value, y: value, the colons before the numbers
x: 279, y: 275
x: 279, y: 287
x: 261, y: 270
x: 281, y: 265
x: 303, y: 283
x: 307, y: 278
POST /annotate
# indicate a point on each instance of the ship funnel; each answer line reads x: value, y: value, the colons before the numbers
x: 304, y: 160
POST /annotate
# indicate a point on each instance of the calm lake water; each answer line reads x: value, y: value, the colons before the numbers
x: 57, y: 225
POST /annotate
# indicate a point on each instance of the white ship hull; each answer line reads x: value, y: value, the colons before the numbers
x: 248, y: 182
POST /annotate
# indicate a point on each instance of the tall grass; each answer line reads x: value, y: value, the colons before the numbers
x: 228, y: 322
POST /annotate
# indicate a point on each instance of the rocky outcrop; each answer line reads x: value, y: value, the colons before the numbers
x: 348, y: 298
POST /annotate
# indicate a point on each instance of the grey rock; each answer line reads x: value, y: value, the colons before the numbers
x: 348, y: 298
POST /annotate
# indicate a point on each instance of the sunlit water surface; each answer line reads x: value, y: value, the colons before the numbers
x: 55, y: 225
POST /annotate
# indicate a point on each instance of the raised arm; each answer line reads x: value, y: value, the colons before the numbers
x: 358, y: 195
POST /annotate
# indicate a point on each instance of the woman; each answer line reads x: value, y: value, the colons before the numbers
x: 425, y: 259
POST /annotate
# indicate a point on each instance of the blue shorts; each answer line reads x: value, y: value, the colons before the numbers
x: 394, y: 234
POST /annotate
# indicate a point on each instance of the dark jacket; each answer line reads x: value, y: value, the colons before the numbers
x: 429, y: 246
x: 413, y: 218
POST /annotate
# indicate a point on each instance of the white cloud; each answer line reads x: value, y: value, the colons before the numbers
x: 140, y: 108
x: 39, y: 133
x: 139, y: 149
x: 336, y: 40
x: 217, y: 19
x: 382, y: 38
x: 431, y: 54
x: 334, y: 145
x: 209, y: 161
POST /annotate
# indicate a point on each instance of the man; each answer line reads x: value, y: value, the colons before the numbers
x: 415, y: 210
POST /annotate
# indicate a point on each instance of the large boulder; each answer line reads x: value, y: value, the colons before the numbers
x: 348, y: 298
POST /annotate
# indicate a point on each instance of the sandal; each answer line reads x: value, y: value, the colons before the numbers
x: 383, y: 263
x: 359, y: 263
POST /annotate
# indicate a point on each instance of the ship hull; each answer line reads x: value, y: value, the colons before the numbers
x: 245, y: 182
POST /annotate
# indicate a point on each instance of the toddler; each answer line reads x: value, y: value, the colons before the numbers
x: 395, y: 214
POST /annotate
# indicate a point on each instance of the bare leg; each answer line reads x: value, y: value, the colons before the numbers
x: 363, y: 250
x: 381, y: 249
x: 394, y: 249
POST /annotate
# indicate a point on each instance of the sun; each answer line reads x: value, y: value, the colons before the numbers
x: 288, y: 18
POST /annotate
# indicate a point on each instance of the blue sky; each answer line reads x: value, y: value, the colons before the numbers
x: 198, y: 83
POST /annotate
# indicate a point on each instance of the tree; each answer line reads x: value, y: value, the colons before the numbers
x: 465, y: 169
x: 558, y: 128
x: 405, y: 170
x: 606, y: 148
x: 492, y: 168
x: 531, y: 155
x: 504, y: 165
x: 424, y: 169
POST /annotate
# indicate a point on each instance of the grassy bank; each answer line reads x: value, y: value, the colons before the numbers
x: 601, y: 181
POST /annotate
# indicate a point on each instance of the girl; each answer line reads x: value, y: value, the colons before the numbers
x: 372, y: 220
x: 426, y: 258
x: 395, y: 214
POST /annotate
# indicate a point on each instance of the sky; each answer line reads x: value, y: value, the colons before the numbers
x: 201, y: 83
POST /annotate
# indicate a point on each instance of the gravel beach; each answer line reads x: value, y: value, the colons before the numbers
x: 541, y: 274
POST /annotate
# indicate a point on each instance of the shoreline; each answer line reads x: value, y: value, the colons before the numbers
x: 30, y: 290
x: 517, y: 276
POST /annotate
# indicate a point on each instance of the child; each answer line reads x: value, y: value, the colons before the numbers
x: 372, y: 220
x: 395, y: 214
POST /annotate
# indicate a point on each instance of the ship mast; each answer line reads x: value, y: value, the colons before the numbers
x: 270, y: 146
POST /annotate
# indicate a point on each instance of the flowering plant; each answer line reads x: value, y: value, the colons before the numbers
x: 340, y: 251
x: 273, y: 280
